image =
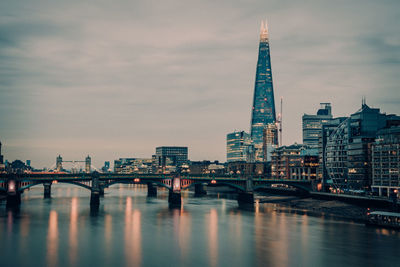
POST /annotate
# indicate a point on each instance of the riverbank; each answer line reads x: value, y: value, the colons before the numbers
x: 316, y: 207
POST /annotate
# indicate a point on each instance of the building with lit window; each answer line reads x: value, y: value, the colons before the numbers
x: 237, y: 146
x: 294, y: 162
x: 326, y: 130
x: 385, y: 155
x: 131, y: 165
x: 2, y: 165
x: 270, y: 140
x: 171, y: 158
x: 348, y: 148
x: 312, y: 124
x: 263, y: 109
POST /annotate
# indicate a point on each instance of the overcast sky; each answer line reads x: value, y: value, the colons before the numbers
x: 118, y: 78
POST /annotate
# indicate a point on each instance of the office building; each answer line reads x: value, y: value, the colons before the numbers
x: 312, y: 124
x: 385, y: 155
x: 132, y: 165
x: 171, y: 158
x: 294, y: 162
x: 348, y: 148
x: 263, y: 109
x: 106, y: 168
x: 270, y: 140
x: 237, y: 147
x: 326, y: 130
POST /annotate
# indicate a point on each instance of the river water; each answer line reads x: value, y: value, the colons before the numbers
x: 133, y: 230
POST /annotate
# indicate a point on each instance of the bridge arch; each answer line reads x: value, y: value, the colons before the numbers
x: 21, y: 189
x: 159, y: 184
x: 219, y: 183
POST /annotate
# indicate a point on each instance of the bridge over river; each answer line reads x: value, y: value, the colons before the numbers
x: 15, y: 184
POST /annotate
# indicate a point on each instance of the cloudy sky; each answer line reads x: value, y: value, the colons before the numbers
x: 118, y: 78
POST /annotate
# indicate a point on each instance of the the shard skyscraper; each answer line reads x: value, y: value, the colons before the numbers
x: 263, y: 109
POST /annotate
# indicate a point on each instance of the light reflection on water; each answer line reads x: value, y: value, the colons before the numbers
x: 133, y: 230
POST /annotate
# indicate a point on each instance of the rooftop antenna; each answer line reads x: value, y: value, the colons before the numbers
x: 280, y: 123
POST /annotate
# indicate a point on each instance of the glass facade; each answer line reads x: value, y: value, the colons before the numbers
x: 171, y: 156
x: 312, y: 124
x: 237, y: 146
x: 263, y: 109
x: 348, y: 148
x: 385, y: 154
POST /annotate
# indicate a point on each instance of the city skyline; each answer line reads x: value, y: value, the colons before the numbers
x: 107, y: 102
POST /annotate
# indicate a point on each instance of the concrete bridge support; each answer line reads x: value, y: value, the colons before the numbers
x: 13, y: 200
x: 95, y: 194
x: 13, y: 195
x: 245, y: 198
x: 174, y: 198
x: 151, y: 190
x: 199, y: 190
x: 47, y: 190
x: 102, y: 185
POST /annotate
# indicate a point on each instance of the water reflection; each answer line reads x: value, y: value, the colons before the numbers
x: 132, y: 234
x: 132, y: 230
x: 73, y: 231
x: 108, y: 232
x: 213, y: 237
x: 52, y: 239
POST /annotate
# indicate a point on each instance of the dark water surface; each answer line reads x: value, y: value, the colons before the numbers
x: 133, y: 230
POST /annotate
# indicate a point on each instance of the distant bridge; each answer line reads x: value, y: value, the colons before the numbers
x: 14, y: 185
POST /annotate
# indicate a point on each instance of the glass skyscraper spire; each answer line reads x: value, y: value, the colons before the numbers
x: 263, y: 110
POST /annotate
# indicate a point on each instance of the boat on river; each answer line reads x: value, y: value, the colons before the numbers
x: 383, y: 219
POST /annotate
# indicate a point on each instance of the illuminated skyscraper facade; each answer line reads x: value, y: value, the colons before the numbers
x: 237, y: 145
x: 263, y: 109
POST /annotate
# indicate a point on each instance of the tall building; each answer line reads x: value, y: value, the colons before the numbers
x: 171, y: 157
x: 270, y: 140
x: 327, y: 129
x: 348, y: 148
x: 312, y: 124
x: 88, y: 164
x: 59, y: 161
x: 1, y: 156
x: 106, y: 167
x: 2, y: 165
x: 237, y: 146
x: 385, y: 155
x: 263, y: 109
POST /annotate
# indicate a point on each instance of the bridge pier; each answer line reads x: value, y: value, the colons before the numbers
x: 13, y: 195
x: 151, y: 190
x: 174, y: 198
x: 95, y: 194
x: 47, y: 190
x: 95, y: 199
x: 245, y: 198
x: 13, y: 200
x: 199, y: 190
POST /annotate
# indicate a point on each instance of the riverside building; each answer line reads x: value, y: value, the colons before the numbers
x: 312, y: 124
x: 171, y: 158
x: 294, y: 162
x: 385, y: 155
x: 348, y: 148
